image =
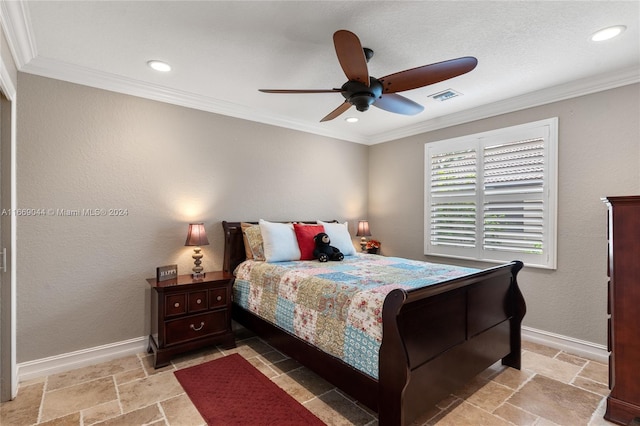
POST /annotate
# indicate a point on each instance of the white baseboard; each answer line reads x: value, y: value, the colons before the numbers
x: 570, y: 345
x: 82, y: 358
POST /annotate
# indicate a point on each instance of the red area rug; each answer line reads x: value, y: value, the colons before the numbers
x: 231, y: 391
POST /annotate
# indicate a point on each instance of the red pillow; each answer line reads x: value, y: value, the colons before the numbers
x: 304, y: 235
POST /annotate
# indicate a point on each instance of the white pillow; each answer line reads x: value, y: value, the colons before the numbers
x: 339, y: 235
x: 279, y: 240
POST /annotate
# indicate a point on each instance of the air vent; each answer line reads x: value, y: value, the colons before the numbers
x: 445, y: 95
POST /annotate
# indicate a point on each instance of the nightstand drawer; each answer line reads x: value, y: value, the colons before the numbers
x: 195, y: 326
x: 218, y: 297
x: 175, y: 304
x: 198, y: 301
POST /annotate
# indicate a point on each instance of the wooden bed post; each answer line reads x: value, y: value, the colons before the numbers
x: 393, y: 370
x: 234, y: 252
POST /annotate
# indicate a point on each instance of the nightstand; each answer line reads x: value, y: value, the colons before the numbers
x: 188, y: 314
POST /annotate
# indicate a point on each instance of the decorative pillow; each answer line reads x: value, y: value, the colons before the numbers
x: 280, y: 243
x: 253, y: 245
x: 304, y: 235
x: 339, y: 235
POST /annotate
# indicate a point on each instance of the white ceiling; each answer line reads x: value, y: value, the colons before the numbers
x: 529, y: 53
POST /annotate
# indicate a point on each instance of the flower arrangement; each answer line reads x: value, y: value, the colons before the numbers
x: 373, y: 244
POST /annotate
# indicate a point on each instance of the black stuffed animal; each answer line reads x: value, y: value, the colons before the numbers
x: 324, y: 251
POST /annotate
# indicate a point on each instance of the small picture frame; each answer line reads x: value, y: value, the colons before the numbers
x: 166, y: 273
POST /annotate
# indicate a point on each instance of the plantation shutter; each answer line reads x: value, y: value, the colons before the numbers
x: 453, y: 191
x: 513, y: 186
x: 491, y: 196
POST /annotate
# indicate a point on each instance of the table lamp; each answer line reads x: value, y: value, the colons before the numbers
x: 196, y: 237
x: 364, y: 232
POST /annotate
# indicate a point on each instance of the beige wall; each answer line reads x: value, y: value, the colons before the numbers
x: 81, y: 280
x: 599, y: 155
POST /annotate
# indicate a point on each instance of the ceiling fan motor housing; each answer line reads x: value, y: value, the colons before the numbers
x: 360, y: 95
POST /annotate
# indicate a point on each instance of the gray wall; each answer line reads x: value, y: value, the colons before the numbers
x: 81, y: 280
x: 599, y: 155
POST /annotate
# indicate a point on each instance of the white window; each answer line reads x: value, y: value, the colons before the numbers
x: 492, y: 196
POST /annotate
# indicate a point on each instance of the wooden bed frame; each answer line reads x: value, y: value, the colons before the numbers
x: 435, y: 339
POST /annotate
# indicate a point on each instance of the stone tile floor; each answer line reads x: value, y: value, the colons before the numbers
x: 553, y: 388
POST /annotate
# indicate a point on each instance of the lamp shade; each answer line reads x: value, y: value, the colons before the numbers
x: 363, y: 229
x: 196, y: 236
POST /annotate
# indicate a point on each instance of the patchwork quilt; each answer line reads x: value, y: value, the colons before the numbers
x: 336, y: 306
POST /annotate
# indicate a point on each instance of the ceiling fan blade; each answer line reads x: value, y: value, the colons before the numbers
x: 393, y: 102
x: 301, y: 91
x: 351, y: 56
x: 336, y: 112
x: 427, y: 74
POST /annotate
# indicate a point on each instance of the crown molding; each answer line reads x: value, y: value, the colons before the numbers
x: 15, y: 19
x: 90, y: 77
x: 58, y: 70
x: 99, y: 79
x: 545, y: 96
x: 14, y: 16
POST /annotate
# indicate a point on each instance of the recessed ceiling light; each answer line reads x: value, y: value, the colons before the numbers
x: 608, y: 33
x: 159, y: 66
x: 351, y: 119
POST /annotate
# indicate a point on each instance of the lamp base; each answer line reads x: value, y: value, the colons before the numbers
x: 197, y: 268
x: 198, y: 275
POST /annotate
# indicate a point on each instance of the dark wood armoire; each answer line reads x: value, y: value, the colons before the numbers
x: 623, y: 403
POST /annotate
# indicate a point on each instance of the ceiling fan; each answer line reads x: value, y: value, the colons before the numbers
x: 363, y: 90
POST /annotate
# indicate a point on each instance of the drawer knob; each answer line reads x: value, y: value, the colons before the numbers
x: 193, y: 327
x: 199, y: 301
x: 176, y: 305
x: 219, y: 298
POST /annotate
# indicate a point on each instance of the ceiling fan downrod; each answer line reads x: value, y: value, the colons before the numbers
x: 368, y: 53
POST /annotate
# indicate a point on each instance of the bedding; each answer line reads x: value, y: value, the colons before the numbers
x: 335, y: 306
x: 339, y: 235
x: 279, y: 241
x: 252, y: 238
x: 306, y: 242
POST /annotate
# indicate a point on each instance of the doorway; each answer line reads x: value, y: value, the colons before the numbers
x: 8, y: 373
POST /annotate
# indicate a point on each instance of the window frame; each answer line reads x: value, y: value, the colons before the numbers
x: 547, y: 130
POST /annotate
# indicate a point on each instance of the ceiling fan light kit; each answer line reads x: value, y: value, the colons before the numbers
x: 362, y: 91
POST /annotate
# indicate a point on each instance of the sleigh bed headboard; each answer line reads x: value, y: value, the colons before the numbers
x: 234, y: 252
